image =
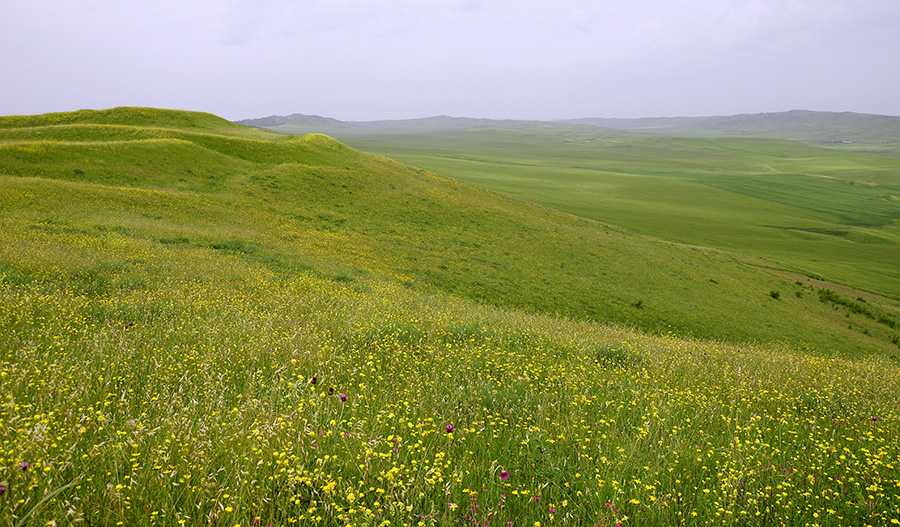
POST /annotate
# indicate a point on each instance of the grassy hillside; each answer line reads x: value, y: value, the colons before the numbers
x: 813, y: 212
x: 145, y: 118
x: 201, y: 324
x: 311, y: 201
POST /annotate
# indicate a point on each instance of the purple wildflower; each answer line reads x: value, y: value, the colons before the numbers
x: 504, y: 474
x: 449, y: 428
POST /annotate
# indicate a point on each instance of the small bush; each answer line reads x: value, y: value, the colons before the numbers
x: 827, y: 295
x: 775, y: 294
x: 887, y: 321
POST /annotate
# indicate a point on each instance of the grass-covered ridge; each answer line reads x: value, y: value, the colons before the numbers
x: 147, y: 118
x: 233, y: 329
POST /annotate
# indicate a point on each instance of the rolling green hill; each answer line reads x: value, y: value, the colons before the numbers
x: 202, y: 323
x: 825, y: 214
x: 311, y: 202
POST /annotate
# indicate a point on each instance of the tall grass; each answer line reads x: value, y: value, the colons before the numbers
x: 278, y: 400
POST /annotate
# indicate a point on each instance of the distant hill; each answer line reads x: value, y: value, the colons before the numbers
x: 865, y: 133
x: 303, y: 124
x: 848, y: 131
x: 296, y: 119
x: 794, y: 124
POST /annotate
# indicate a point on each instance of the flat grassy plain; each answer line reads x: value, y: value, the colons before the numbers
x: 206, y: 324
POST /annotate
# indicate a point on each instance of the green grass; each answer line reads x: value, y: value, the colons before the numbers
x: 159, y: 339
x: 814, y: 212
x: 312, y: 202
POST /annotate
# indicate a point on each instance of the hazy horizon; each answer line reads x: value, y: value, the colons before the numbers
x: 555, y: 120
x: 401, y: 59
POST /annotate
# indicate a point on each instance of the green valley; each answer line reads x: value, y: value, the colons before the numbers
x: 809, y: 211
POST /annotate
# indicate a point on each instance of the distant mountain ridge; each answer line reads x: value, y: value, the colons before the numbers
x: 300, y: 123
x: 799, y: 123
x: 293, y: 119
x: 870, y: 133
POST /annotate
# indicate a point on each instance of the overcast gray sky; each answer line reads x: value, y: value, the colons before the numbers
x: 388, y: 59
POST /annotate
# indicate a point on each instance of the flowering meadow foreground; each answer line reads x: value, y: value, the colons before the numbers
x: 259, y: 398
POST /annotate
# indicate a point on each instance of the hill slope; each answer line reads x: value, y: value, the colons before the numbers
x: 310, y: 201
x: 816, y: 212
x: 222, y: 326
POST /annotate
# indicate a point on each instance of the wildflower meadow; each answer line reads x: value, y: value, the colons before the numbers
x: 280, y: 401
x: 172, y: 353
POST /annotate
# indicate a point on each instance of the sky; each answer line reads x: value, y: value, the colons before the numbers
x: 503, y: 59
